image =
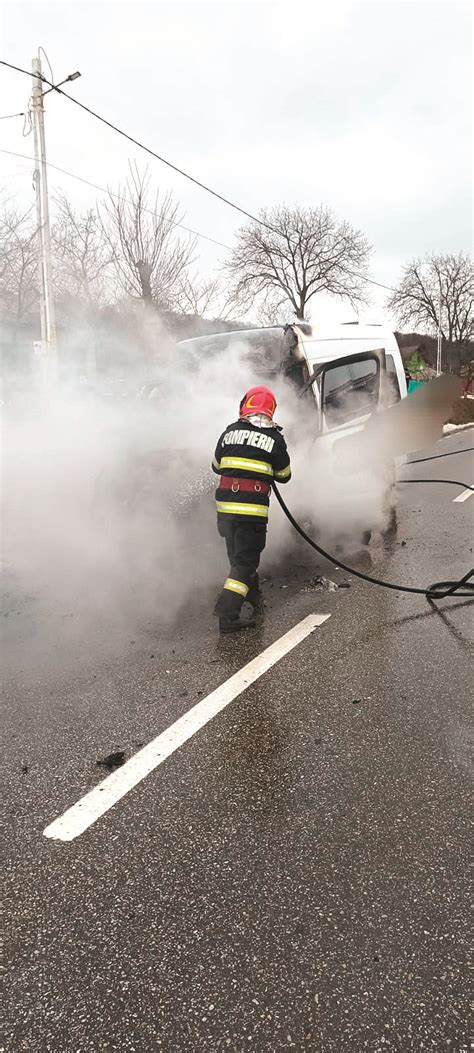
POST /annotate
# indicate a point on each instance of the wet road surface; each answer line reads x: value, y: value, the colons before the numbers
x: 295, y: 875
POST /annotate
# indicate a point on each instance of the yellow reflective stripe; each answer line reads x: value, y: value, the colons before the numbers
x: 236, y: 586
x: 284, y: 473
x: 236, y: 507
x: 215, y: 463
x: 249, y: 466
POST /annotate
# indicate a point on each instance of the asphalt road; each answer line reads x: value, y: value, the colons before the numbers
x: 295, y: 875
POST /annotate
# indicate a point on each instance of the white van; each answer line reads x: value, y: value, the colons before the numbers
x: 349, y: 370
x: 346, y: 371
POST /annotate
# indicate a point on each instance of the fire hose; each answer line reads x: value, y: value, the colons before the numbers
x: 439, y: 590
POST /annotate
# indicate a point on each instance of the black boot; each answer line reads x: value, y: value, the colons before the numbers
x: 256, y: 600
x: 255, y: 597
x: 232, y: 623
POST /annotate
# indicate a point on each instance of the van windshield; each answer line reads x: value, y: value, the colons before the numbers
x: 265, y: 349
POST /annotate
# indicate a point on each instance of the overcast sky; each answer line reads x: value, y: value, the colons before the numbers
x: 366, y: 107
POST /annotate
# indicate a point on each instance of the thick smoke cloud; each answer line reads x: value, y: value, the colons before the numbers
x: 108, y: 504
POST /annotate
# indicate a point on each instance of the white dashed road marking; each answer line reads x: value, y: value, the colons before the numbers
x: 464, y: 496
x: 99, y: 800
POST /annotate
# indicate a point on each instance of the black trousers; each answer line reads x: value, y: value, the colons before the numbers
x: 245, y: 543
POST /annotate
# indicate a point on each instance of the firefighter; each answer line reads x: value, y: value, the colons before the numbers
x: 250, y: 453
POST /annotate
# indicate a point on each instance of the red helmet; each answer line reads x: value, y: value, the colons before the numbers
x: 258, y: 400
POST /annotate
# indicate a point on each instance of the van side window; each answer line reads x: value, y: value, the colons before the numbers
x: 350, y: 391
x: 393, y: 393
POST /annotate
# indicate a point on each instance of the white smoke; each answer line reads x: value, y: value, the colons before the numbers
x: 108, y: 504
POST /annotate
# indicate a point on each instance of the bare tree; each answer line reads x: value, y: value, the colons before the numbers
x: 151, y: 259
x: 426, y: 282
x: 202, y: 297
x: 18, y: 263
x: 306, y: 251
x: 269, y: 313
x: 83, y: 260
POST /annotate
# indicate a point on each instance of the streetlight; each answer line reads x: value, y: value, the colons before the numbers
x: 56, y: 87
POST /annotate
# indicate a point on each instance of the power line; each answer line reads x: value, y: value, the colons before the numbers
x: 8, y: 115
x: 180, y: 171
x: 148, y: 150
x: 27, y: 124
x: 370, y: 280
x: 119, y: 197
x: 47, y: 60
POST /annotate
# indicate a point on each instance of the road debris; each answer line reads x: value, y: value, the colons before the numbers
x: 112, y: 761
x: 318, y: 584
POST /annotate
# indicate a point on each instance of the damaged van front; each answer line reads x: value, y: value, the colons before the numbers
x: 343, y: 375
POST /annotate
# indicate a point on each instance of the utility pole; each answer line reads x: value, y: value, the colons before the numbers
x: 48, y: 319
